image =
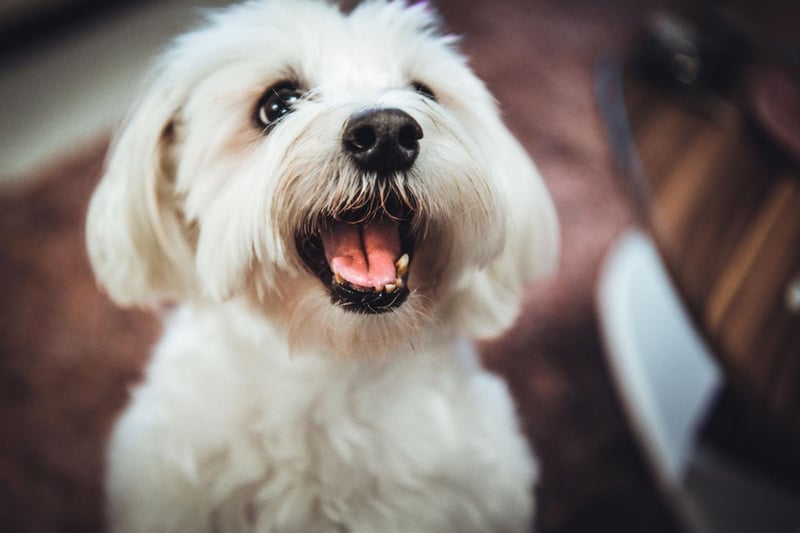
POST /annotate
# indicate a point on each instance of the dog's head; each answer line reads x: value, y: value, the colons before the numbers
x: 346, y: 174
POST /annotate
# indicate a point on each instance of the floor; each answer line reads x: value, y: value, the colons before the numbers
x: 76, y: 86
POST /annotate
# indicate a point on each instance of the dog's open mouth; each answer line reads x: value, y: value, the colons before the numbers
x: 363, y: 260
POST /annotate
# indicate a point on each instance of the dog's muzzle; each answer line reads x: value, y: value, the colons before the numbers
x: 363, y: 253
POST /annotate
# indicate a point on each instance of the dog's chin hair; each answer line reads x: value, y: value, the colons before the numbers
x: 302, y: 308
x: 342, y: 333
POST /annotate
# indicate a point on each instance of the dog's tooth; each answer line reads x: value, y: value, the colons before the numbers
x: 399, y: 283
x: 390, y: 288
x: 379, y: 288
x: 338, y: 277
x: 402, y: 265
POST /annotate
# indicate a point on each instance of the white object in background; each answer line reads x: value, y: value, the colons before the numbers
x: 667, y: 380
x: 73, y: 89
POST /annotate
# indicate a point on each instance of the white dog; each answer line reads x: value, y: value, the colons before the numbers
x: 334, y: 203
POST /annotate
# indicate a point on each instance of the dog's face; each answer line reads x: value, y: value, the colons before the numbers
x: 346, y: 174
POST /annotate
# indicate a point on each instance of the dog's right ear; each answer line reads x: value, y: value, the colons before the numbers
x: 136, y: 238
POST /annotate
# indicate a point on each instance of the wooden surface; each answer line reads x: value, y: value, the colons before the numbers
x: 723, y: 207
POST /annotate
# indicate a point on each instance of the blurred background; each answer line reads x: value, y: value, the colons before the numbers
x: 69, y: 70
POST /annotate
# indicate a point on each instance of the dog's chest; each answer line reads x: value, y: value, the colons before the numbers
x: 406, y: 443
x: 225, y: 435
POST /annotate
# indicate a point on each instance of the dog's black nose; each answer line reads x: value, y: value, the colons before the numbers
x: 382, y: 140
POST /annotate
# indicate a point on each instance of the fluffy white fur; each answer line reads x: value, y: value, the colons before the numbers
x: 266, y: 406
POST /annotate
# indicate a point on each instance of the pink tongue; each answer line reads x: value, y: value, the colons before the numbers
x: 363, y: 254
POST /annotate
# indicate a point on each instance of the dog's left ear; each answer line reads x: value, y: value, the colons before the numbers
x: 135, y: 235
x: 489, y: 300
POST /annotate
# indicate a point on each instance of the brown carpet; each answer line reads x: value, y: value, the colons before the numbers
x: 68, y: 356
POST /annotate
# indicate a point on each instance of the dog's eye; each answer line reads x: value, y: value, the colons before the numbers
x: 277, y: 102
x: 424, y: 90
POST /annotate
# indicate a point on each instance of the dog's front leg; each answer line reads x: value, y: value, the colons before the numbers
x: 151, y: 484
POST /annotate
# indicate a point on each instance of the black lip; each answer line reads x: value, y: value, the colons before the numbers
x: 368, y: 303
